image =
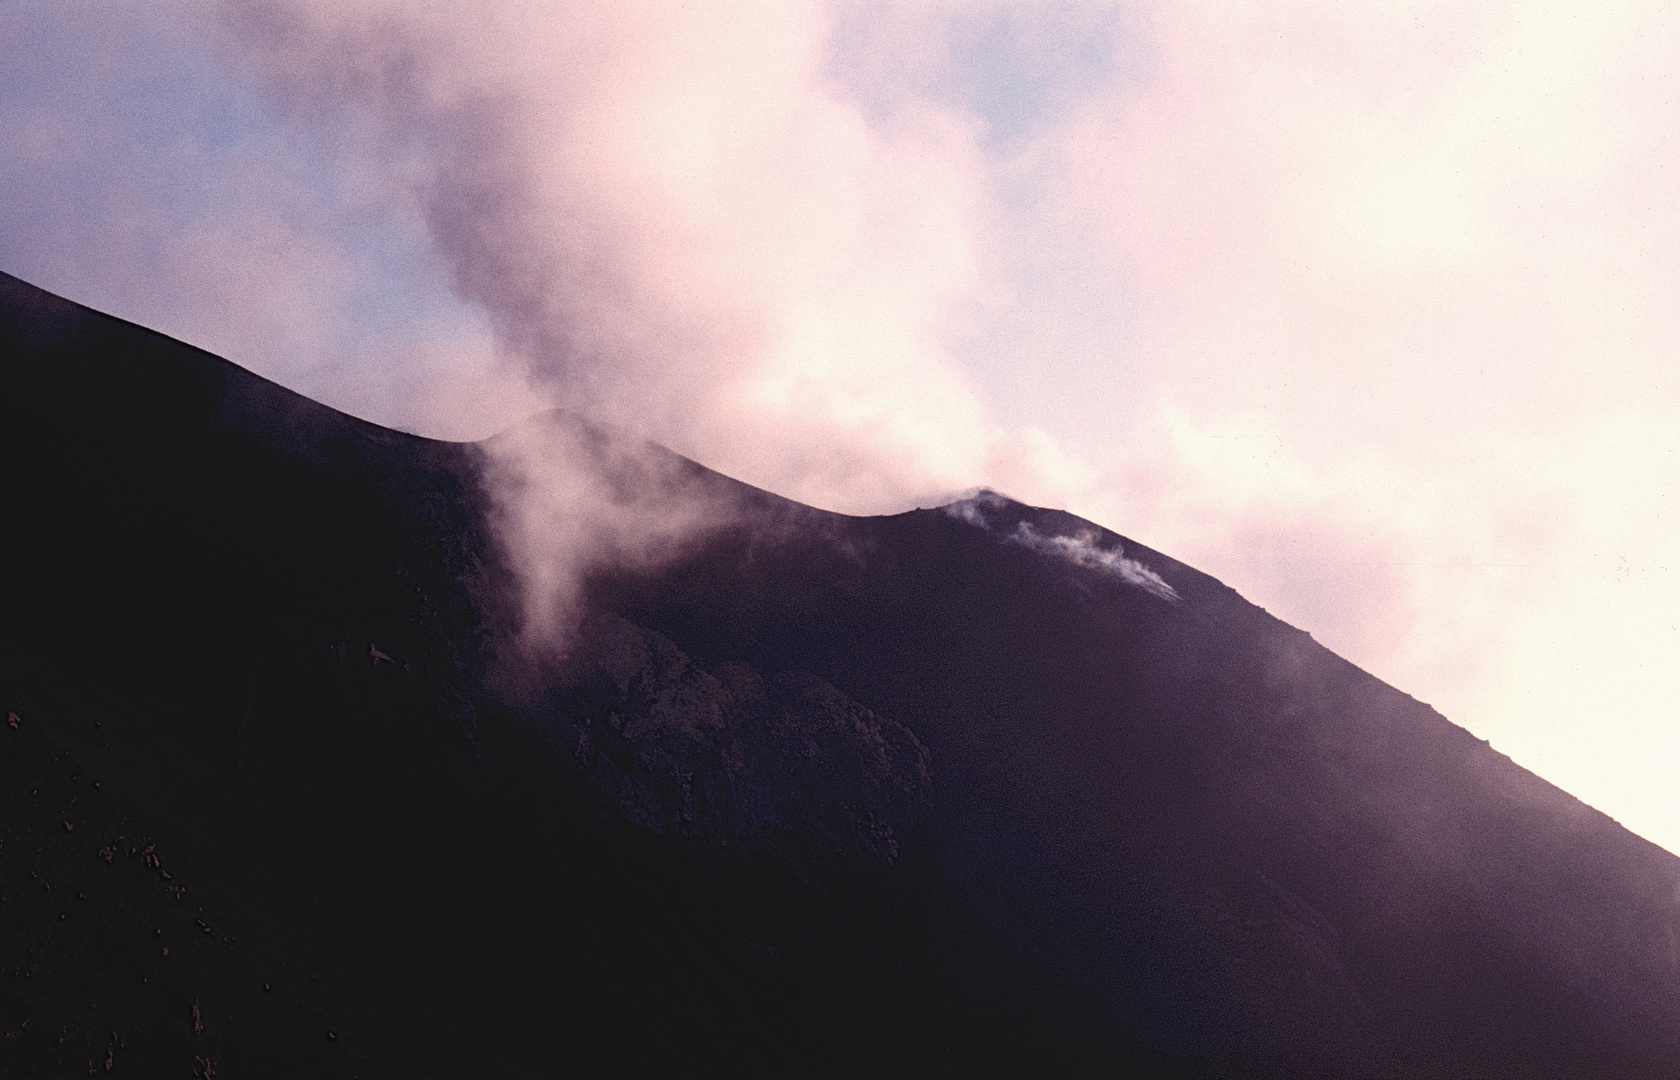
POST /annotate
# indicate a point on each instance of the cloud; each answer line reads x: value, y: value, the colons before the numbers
x: 1399, y: 294
x: 675, y: 221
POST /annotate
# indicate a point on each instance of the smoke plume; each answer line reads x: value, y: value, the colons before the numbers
x: 675, y: 224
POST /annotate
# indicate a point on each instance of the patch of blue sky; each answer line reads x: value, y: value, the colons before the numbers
x: 401, y: 284
x: 1022, y: 68
x: 1017, y: 68
x: 121, y: 111
x: 138, y: 66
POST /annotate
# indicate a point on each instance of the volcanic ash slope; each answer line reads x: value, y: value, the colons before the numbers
x: 290, y: 784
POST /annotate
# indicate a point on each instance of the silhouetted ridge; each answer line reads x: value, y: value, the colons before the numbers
x: 978, y: 789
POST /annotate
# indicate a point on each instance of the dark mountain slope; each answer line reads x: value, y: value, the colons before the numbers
x: 1247, y: 841
x: 962, y: 791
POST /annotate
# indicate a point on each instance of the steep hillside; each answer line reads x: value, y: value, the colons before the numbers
x: 977, y: 789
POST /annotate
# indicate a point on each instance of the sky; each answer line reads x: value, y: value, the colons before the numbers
x: 1369, y: 310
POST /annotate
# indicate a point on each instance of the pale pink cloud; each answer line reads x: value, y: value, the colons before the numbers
x: 675, y: 221
x: 1405, y: 307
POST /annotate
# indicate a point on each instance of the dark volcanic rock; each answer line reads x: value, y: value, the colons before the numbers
x: 732, y: 760
x: 974, y: 790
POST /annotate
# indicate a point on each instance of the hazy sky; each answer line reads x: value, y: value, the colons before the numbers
x: 1369, y: 310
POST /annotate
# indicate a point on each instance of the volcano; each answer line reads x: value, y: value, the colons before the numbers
x: 980, y: 789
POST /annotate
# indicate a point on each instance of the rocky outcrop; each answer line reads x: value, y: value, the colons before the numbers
x: 733, y: 760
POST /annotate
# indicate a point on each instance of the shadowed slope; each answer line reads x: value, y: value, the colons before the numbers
x: 967, y: 790
x: 1229, y: 838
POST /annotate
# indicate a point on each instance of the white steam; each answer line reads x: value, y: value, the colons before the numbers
x: 1081, y: 550
x: 674, y: 221
x: 571, y: 499
x: 1085, y: 548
